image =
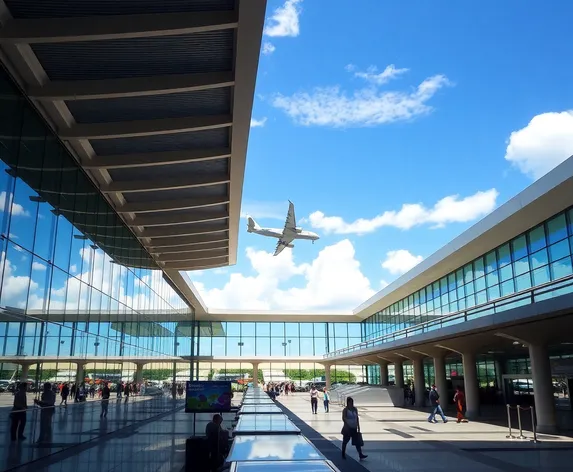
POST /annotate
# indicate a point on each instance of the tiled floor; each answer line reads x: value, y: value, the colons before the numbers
x: 147, y: 432
x: 402, y: 440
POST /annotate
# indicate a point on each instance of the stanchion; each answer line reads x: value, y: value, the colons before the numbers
x: 521, y: 436
x: 510, y: 435
x: 533, y: 425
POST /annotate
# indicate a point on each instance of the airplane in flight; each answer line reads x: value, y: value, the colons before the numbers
x: 285, y: 236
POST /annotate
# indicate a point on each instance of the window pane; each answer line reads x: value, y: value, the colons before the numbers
x: 490, y: 262
x: 519, y: 248
x: 504, y: 255
x: 507, y: 288
x: 541, y: 276
x: 521, y: 266
x: 492, y: 279
x: 561, y: 268
x: 556, y: 229
x: 559, y: 250
x: 523, y: 282
x: 479, y: 268
x: 537, y: 239
x: 468, y: 273
x: 479, y: 284
x: 493, y: 293
x: 506, y: 272
x: 539, y: 259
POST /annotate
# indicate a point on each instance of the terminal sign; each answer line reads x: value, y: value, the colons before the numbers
x: 208, y: 396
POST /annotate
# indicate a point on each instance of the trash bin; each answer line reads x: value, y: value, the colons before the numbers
x: 196, y: 454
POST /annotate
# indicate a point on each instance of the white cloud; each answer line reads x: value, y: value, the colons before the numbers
x: 450, y: 209
x: 38, y: 266
x: 330, y: 106
x: 383, y: 284
x: 14, y: 208
x: 284, y: 20
x: 18, y: 248
x: 14, y: 287
x: 543, y: 144
x: 379, y: 78
x: 400, y: 261
x: 332, y: 281
x: 73, y: 268
x: 258, y: 123
x: 268, y: 48
x: 266, y: 210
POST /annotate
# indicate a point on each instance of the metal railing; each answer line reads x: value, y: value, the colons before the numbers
x: 519, y: 409
x: 529, y: 296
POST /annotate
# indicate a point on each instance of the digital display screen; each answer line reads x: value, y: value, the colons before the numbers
x: 208, y: 397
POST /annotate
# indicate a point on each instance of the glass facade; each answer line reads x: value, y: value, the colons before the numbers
x: 534, y: 258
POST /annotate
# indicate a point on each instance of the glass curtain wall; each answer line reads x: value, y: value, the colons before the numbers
x: 74, y: 282
x: 539, y: 256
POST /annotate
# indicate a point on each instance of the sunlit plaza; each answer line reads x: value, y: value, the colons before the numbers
x: 124, y: 132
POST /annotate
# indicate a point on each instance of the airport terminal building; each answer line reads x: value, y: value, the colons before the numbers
x: 122, y: 154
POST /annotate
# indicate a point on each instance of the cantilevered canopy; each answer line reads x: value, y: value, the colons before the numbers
x: 153, y: 99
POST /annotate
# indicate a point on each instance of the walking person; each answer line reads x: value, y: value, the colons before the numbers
x: 65, y: 393
x: 460, y: 401
x: 314, y: 399
x: 47, y: 404
x: 326, y: 399
x: 351, y: 429
x: 435, y: 405
x: 105, y: 394
x: 18, y: 415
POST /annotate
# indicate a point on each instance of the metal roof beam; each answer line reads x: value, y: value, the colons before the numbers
x: 130, y: 129
x: 169, y: 219
x: 172, y: 205
x: 165, y: 184
x: 198, y: 240
x: 130, y: 87
x: 183, y: 248
x: 194, y: 256
x: 192, y: 230
x: 98, y: 28
x: 150, y: 159
x: 198, y: 265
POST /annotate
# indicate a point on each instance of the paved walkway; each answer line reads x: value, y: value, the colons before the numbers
x: 398, y: 439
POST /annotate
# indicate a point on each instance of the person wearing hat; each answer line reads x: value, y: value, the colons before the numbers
x: 435, y: 405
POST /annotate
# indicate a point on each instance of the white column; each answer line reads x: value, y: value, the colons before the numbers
x: 441, y: 382
x: 139, y: 373
x: 542, y: 389
x: 80, y: 374
x: 399, y: 374
x: 255, y: 373
x: 327, y: 376
x: 471, y: 388
x: 24, y: 372
x: 419, y: 384
x: 383, y: 373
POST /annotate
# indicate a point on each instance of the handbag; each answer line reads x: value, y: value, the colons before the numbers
x: 357, y: 439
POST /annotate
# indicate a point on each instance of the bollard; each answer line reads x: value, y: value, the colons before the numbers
x: 521, y: 436
x: 533, y: 426
x: 510, y: 435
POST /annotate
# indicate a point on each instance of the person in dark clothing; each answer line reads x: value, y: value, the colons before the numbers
x: 65, y: 394
x: 105, y: 394
x: 351, y: 429
x: 18, y: 415
x: 217, y: 441
x: 435, y: 405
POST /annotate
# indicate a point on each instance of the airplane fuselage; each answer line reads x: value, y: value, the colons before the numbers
x: 278, y: 233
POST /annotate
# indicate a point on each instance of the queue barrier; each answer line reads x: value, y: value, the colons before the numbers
x: 519, y: 409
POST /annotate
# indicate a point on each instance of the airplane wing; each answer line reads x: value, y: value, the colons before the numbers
x: 289, y: 231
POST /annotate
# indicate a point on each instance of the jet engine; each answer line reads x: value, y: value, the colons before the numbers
x: 290, y: 245
x: 298, y: 229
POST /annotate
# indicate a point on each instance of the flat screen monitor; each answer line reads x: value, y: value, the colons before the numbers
x: 208, y: 397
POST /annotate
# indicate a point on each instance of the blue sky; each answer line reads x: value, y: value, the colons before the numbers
x: 359, y: 111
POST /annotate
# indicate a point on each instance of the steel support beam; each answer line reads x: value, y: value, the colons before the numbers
x: 165, y: 184
x: 172, y: 205
x: 156, y: 245
x: 129, y: 87
x: 171, y: 220
x: 100, y: 28
x: 198, y: 265
x: 193, y: 256
x: 192, y: 230
x: 131, y: 129
x: 188, y: 248
x: 150, y: 159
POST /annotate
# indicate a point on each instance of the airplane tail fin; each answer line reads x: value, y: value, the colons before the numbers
x: 252, y: 225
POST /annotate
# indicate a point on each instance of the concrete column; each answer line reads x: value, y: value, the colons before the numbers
x: 139, y: 373
x: 255, y: 373
x: 24, y: 372
x: 441, y: 382
x: 80, y: 374
x: 383, y: 373
x: 399, y: 374
x: 471, y: 388
x: 419, y: 383
x: 327, y: 376
x: 542, y: 389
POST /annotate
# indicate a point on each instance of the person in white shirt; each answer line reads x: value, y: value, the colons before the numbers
x: 314, y: 399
